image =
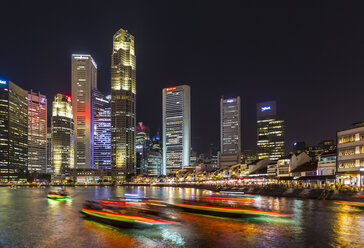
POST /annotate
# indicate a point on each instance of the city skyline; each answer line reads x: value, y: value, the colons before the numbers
x: 256, y: 72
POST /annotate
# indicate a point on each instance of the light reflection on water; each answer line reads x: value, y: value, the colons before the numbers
x: 29, y: 219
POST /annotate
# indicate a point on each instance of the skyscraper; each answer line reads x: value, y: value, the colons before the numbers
x: 141, y: 147
x: 123, y: 103
x: 102, y: 130
x: 230, y: 133
x: 84, y: 81
x: 62, y: 136
x: 13, y: 131
x: 154, y: 157
x: 49, y: 150
x: 270, y: 131
x: 37, y: 132
x: 176, y: 128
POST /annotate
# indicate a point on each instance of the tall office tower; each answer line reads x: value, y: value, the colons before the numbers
x: 230, y: 132
x: 141, y: 147
x: 270, y: 132
x: 13, y: 132
x: 84, y: 81
x: 176, y: 128
x: 102, y: 130
x: 154, y: 157
x: 62, y: 129
x: 123, y: 103
x: 49, y: 151
x: 37, y: 132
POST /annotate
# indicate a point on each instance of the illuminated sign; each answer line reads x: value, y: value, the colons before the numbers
x: 68, y: 98
x: 43, y: 101
x: 265, y: 108
x: 3, y: 82
x: 230, y: 100
x: 169, y: 89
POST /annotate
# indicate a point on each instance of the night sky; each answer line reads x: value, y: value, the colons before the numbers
x: 309, y: 58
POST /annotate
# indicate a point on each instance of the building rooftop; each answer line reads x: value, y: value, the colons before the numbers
x: 309, y: 166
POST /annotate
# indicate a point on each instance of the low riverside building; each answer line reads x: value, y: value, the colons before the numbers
x: 90, y: 176
x: 283, y: 167
x: 326, y: 164
x: 272, y: 169
x: 350, y: 155
x: 259, y: 167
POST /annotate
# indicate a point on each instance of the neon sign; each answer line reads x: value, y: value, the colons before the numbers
x: 3, y: 82
x: 169, y: 89
x: 265, y: 108
x: 230, y: 100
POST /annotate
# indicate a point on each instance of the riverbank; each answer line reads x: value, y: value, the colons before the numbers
x: 266, y: 190
x: 272, y: 190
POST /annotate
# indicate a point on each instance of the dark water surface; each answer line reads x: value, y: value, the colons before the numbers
x: 29, y: 219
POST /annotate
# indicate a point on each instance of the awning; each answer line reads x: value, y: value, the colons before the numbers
x: 316, y: 177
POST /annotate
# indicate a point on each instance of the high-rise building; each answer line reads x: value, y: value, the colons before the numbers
x: 141, y: 147
x: 84, y: 81
x: 270, y: 132
x: 102, y: 130
x: 37, y: 132
x: 176, y: 128
x: 62, y: 129
x: 13, y: 132
x: 230, y: 132
x: 123, y: 103
x: 49, y: 150
x: 154, y: 157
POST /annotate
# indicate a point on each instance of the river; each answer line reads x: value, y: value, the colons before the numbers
x: 29, y: 219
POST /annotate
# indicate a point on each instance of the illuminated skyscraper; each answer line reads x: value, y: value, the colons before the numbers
x: 230, y: 136
x: 49, y: 150
x: 37, y: 132
x: 176, y: 128
x: 141, y: 147
x: 62, y: 136
x: 102, y: 130
x: 270, y: 131
x: 123, y: 103
x: 154, y: 159
x: 13, y: 131
x: 84, y: 81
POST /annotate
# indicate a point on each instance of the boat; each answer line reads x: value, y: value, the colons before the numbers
x: 353, y: 204
x: 224, y: 211
x: 126, y: 214
x: 60, y: 194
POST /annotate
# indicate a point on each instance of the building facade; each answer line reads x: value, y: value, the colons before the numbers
x: 62, y: 129
x: 176, y: 128
x: 84, y: 81
x: 49, y: 150
x: 141, y: 147
x: 13, y: 132
x: 270, y: 132
x: 102, y: 131
x: 230, y: 132
x: 350, y: 155
x: 123, y: 103
x: 154, y: 157
x: 230, y: 125
x: 37, y: 132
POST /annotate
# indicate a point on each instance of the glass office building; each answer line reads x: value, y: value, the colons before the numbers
x: 270, y: 132
x: 13, y: 132
x: 176, y: 128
